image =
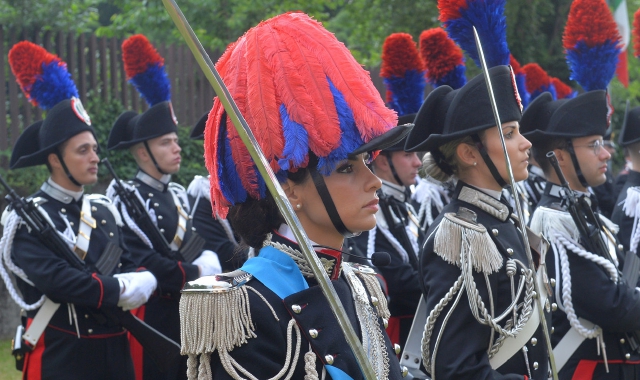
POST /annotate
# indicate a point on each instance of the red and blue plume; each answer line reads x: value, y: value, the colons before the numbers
x: 636, y: 34
x: 402, y: 71
x: 460, y: 16
x: 592, y: 44
x: 443, y: 59
x: 42, y: 76
x: 145, y: 69
x: 537, y: 81
x: 563, y: 90
x: 300, y: 91
x: 521, y: 79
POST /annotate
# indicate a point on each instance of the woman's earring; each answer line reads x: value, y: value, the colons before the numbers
x: 475, y: 163
x: 298, y: 206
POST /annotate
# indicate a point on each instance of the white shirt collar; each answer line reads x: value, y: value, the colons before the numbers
x: 59, y: 193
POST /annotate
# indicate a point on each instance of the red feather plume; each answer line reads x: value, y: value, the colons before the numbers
x: 439, y: 52
x: 138, y: 54
x: 26, y: 60
x: 399, y: 55
x: 636, y: 33
x: 450, y: 9
x: 590, y: 21
x: 515, y: 65
x: 536, y: 77
x: 562, y: 89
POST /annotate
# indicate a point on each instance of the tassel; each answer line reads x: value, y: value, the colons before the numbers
x: 455, y: 234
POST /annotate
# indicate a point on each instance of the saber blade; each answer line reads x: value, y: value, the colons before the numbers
x: 207, y: 66
x: 514, y: 190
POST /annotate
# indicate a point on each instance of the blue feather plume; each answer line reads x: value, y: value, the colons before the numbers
x: 53, y: 86
x: 455, y: 79
x: 153, y: 84
x: 593, y: 67
x: 406, y: 92
x: 522, y: 89
x: 296, y: 142
x: 230, y: 183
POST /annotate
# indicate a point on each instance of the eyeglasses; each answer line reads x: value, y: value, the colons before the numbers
x: 596, y: 146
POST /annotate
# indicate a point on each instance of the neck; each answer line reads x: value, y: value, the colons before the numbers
x: 574, y: 183
x: 477, y: 179
x: 62, y: 180
x: 286, y: 232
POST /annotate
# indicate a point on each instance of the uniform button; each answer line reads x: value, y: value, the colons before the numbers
x: 296, y: 309
x: 494, y: 232
x: 150, y: 195
x: 534, y: 294
x: 627, y: 356
x: 535, y: 365
x: 62, y: 210
x: 159, y: 217
x: 110, y: 234
x: 193, y: 228
x: 90, y: 331
x: 374, y: 301
x: 405, y: 371
x: 554, y: 306
x: 622, y: 341
x: 385, y: 321
x: 71, y: 224
x: 534, y: 341
x: 396, y: 348
x: 553, y: 329
x: 620, y: 247
x: 313, y: 333
x: 510, y: 251
x: 119, y: 265
x: 162, y: 230
x: 103, y: 222
x: 86, y: 316
x: 94, y: 209
x: 329, y: 359
x: 553, y: 282
x: 156, y: 204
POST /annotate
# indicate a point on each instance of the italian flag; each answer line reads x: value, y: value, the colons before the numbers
x: 619, y: 9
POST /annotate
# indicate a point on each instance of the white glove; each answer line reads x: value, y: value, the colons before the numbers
x: 135, y: 288
x: 208, y: 263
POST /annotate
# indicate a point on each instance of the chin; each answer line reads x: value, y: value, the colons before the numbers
x: 599, y: 181
x: 520, y: 176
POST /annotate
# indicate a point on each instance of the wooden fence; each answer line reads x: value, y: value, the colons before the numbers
x: 97, y: 69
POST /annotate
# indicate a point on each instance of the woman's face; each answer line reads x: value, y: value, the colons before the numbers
x: 353, y: 189
x: 517, y: 148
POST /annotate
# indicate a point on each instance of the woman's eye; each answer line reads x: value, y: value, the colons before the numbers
x: 508, y: 135
x: 346, y: 168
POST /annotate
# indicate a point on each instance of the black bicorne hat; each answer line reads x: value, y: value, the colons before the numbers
x: 131, y: 128
x: 630, y: 133
x: 585, y: 115
x: 63, y: 121
x: 197, y: 133
x: 447, y: 114
x: 402, y: 120
x: 537, y: 116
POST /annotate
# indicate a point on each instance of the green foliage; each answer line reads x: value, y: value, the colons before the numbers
x: 69, y: 15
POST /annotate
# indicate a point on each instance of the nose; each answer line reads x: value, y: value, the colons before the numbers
x: 94, y: 156
x: 526, y: 144
x: 372, y: 182
x: 604, y: 154
x: 416, y: 161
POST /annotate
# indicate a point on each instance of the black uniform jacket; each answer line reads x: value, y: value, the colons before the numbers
x: 102, y: 350
x: 596, y: 298
x: 619, y: 217
x: 463, y: 346
x: 264, y: 356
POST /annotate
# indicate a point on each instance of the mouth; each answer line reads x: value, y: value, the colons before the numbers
x: 93, y: 170
x: 373, y: 204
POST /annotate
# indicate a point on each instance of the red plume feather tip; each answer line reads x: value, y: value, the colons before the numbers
x: 562, y: 89
x: 636, y: 33
x: 590, y: 21
x: 26, y: 60
x: 399, y: 55
x: 536, y: 77
x: 138, y: 54
x: 515, y: 65
x: 439, y: 52
x: 450, y: 9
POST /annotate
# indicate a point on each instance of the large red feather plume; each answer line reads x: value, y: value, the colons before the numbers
x: 536, y: 77
x: 636, y: 33
x: 138, y: 54
x: 399, y: 55
x: 562, y: 89
x: 26, y: 60
x: 450, y: 9
x: 590, y: 21
x: 439, y: 52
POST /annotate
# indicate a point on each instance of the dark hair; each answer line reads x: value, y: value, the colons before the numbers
x: 541, y: 148
x: 254, y: 219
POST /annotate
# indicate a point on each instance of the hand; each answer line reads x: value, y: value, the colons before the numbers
x: 208, y: 263
x: 135, y: 288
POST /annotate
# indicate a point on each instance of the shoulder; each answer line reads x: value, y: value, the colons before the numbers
x: 199, y: 187
x: 102, y: 202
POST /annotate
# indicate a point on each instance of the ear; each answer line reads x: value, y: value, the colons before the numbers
x: 467, y: 154
x: 381, y: 162
x: 293, y: 192
x: 562, y: 156
x: 54, y: 160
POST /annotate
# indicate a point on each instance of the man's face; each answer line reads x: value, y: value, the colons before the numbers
x: 592, y: 158
x: 81, y: 157
x: 166, y: 151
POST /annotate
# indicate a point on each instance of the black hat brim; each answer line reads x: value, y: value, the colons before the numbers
x: 385, y: 140
x: 157, y: 121
x: 197, y: 133
x: 425, y: 120
x: 630, y: 133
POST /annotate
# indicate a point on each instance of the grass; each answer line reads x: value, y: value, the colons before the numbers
x: 7, y: 362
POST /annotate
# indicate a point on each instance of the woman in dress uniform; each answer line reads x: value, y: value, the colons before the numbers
x: 482, y: 321
x: 316, y: 115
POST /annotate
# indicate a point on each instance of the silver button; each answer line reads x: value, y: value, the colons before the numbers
x: 553, y: 329
x: 313, y: 333
x: 396, y: 348
x: 156, y: 204
x: 150, y: 195
x: 374, y: 301
x: 159, y: 217
x: 510, y: 251
x: 554, y: 306
x: 90, y: 331
x: 405, y: 371
x: 71, y: 224
x: 385, y: 321
x: 494, y: 232
x: 620, y: 247
x: 162, y: 230
x: 622, y: 341
x: 94, y: 209
x: 119, y: 265
x: 627, y: 356
x: 296, y: 309
x: 534, y: 341
x: 329, y: 359
x: 553, y: 282
x: 62, y: 210
x: 86, y: 316
x: 193, y: 228
x: 103, y: 221
x: 535, y: 365
x: 110, y: 234
x: 534, y: 294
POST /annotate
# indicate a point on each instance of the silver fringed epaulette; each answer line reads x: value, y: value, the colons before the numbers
x: 548, y: 221
x: 460, y: 235
x: 368, y: 276
x: 106, y: 202
x: 215, y: 315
